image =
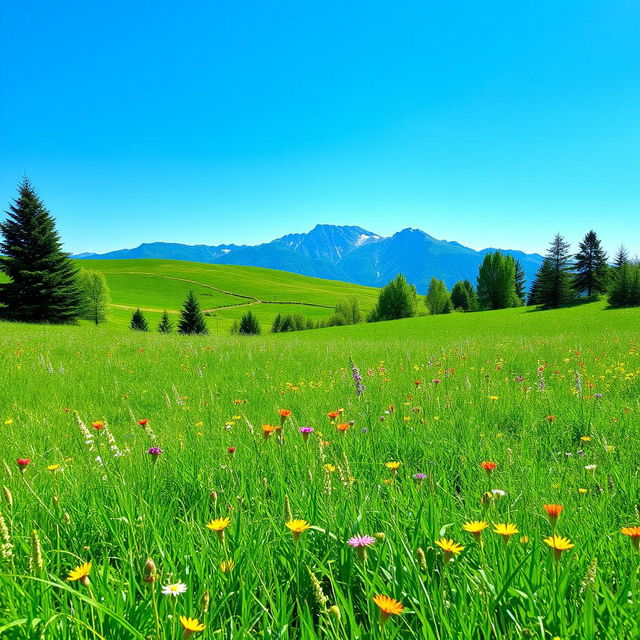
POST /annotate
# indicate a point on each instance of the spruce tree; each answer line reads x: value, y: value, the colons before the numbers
x: 592, y: 271
x: 497, y: 282
x: 165, y: 326
x: 138, y: 321
x: 460, y: 296
x: 521, y: 282
x: 43, y: 283
x: 276, y: 327
x: 191, y: 318
x: 554, y: 285
x: 437, y: 298
x: 622, y: 257
x: 625, y: 286
x: 249, y: 324
x: 95, y: 299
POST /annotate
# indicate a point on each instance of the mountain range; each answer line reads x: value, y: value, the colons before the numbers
x: 336, y: 252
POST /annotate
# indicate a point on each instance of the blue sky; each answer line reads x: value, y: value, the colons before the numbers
x: 491, y: 123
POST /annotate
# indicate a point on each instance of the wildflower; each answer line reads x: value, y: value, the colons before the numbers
x: 297, y: 527
x: 267, y: 430
x: 582, y: 491
x: 284, y: 414
x: 436, y: 381
x: 23, y: 463
x: 505, y: 530
x: 449, y: 547
x: 191, y: 626
x: 306, y: 432
x: 494, y: 397
x: 388, y: 607
x: 144, y: 422
x: 590, y: 467
x: 524, y: 540
x: 488, y: 466
x: 487, y: 497
x: 553, y: 513
x: 174, y: 589
x: 475, y: 528
x: 226, y: 566
x: 231, y: 450
x: 318, y: 594
x: 329, y: 468
x: 357, y: 378
x: 551, y: 418
x: 418, y: 383
x: 53, y: 467
x: 360, y: 543
x: 392, y: 466
x: 634, y: 534
x: 81, y: 573
x: 597, y: 395
x: 498, y: 493
x: 343, y: 426
x: 219, y: 525
x: 155, y: 453
x: 335, y: 612
x: 585, y: 438
x: 558, y: 544
x: 419, y: 477
x: 333, y: 414
x: 98, y: 425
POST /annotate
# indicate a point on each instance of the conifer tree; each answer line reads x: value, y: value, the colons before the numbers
x: 138, y: 321
x: 192, y: 320
x: 95, y: 298
x: 437, y: 299
x: 622, y: 257
x: 625, y: 286
x: 464, y: 297
x: 520, y: 282
x: 554, y: 278
x: 592, y: 271
x: 276, y: 327
x: 43, y: 284
x: 165, y: 325
x: 249, y: 324
x: 497, y: 282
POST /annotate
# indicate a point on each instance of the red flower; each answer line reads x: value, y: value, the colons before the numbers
x: 333, y: 414
x: 551, y: 418
x: 23, y: 462
x: 418, y: 383
x: 489, y: 467
x: 144, y: 422
x: 97, y: 425
x: 232, y: 450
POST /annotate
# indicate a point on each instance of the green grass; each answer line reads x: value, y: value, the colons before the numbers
x: 225, y: 291
x: 203, y: 395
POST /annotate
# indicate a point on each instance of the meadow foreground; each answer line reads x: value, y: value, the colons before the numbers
x: 328, y: 484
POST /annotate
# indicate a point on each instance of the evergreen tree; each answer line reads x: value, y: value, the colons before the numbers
x: 497, y: 282
x: 554, y: 278
x: 95, y: 299
x: 592, y: 271
x: 235, y: 328
x: 286, y: 324
x: 249, y: 324
x: 192, y: 320
x: 463, y: 296
x: 165, y: 326
x: 138, y: 321
x: 520, y: 282
x: 625, y: 286
x: 622, y: 257
x: 437, y: 299
x: 396, y: 300
x: 276, y: 327
x: 43, y: 283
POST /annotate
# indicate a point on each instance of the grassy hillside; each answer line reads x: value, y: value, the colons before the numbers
x: 225, y: 292
x: 551, y: 397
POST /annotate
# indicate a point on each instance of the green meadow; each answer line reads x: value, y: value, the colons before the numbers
x: 551, y: 397
x: 224, y: 292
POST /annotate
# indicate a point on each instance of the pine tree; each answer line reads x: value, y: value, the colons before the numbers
x: 520, y: 282
x: 554, y: 286
x: 437, y: 298
x: 497, y: 282
x: 165, y: 326
x: 276, y: 327
x: 622, y: 257
x: 396, y: 300
x: 625, y: 286
x: 43, y: 283
x: 192, y: 320
x: 249, y: 325
x: 592, y: 271
x: 95, y: 299
x: 138, y: 321
x: 464, y: 297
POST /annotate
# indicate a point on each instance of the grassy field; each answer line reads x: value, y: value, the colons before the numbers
x: 225, y: 292
x: 551, y: 397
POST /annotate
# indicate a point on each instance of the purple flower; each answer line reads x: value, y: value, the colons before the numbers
x: 306, y: 432
x: 436, y: 381
x: 357, y: 378
x: 597, y: 395
x: 361, y: 541
x: 154, y: 451
x: 364, y: 429
x: 419, y: 477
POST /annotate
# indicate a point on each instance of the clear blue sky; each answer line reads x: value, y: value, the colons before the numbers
x: 494, y: 123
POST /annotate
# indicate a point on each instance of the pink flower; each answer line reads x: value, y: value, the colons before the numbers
x: 361, y: 541
x: 23, y: 462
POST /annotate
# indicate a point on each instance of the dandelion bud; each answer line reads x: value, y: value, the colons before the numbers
x: 56, y: 501
x: 36, y: 552
x: 487, y: 498
x: 204, y: 602
x: 150, y: 571
x: 335, y: 612
x: 67, y: 517
x: 213, y: 496
x: 422, y: 559
x: 8, y: 496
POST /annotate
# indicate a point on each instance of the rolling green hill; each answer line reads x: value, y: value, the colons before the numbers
x: 225, y: 292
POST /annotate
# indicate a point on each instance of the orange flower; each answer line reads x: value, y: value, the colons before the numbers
x: 97, y: 425
x: 333, y: 415
x: 489, y: 467
x: 388, y: 607
x: 267, y: 430
x: 553, y: 513
x: 284, y: 414
x: 143, y: 422
x: 551, y: 418
x: 343, y: 426
x: 634, y: 534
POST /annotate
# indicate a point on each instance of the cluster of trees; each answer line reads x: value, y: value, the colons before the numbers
x: 191, y: 321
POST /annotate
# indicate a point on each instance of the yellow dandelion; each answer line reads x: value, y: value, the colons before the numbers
x: 80, y: 573
x: 449, y: 547
x: 558, y: 544
x: 388, y: 607
x: 191, y: 625
x: 219, y: 525
x: 226, y: 566
x: 505, y: 530
x: 297, y: 527
x: 475, y: 528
